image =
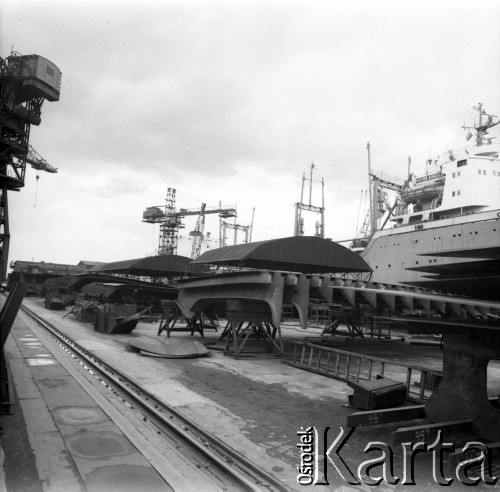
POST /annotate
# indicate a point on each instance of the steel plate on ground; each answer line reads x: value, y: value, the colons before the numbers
x: 173, y: 349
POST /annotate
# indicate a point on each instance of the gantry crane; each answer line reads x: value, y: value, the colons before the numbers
x: 299, y: 206
x: 237, y: 227
x: 25, y: 82
x: 170, y: 220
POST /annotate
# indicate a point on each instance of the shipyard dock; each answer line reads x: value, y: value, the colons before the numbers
x: 66, y: 433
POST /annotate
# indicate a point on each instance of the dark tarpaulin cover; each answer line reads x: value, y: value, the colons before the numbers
x: 304, y: 254
x: 153, y: 266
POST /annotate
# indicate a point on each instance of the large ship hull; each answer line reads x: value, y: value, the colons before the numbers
x: 458, y: 255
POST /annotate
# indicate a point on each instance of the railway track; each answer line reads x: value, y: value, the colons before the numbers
x: 200, y: 458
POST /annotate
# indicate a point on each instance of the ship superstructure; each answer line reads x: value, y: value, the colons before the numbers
x: 443, y: 229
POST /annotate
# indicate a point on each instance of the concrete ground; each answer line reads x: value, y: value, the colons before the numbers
x: 255, y: 403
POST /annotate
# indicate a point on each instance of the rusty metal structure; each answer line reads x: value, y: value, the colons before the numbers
x: 25, y: 82
x: 170, y: 221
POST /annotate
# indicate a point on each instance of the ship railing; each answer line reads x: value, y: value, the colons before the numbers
x: 382, y: 175
x: 428, y: 177
x: 350, y: 366
x: 470, y: 150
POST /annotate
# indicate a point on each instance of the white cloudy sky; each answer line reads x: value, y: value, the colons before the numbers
x: 231, y: 101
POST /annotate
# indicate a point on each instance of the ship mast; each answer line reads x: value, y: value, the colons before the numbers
x: 481, y: 128
x: 372, y: 189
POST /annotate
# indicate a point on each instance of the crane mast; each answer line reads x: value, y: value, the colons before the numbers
x: 25, y: 82
x: 197, y: 234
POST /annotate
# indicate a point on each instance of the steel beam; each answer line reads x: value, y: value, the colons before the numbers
x: 10, y: 309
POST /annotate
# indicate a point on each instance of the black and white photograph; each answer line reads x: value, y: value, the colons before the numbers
x: 249, y: 245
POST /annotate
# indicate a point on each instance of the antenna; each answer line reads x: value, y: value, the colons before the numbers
x: 481, y: 128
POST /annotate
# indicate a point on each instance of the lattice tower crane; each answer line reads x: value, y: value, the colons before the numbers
x: 25, y: 82
x: 170, y: 220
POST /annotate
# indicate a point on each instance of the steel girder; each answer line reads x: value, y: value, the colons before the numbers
x: 257, y: 287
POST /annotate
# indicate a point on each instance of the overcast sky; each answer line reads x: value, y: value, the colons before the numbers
x: 231, y: 101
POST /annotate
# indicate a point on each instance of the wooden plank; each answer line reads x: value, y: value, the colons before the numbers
x: 459, y: 455
x: 428, y: 432
x: 386, y: 416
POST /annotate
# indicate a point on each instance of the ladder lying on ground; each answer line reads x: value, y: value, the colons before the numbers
x: 349, y: 366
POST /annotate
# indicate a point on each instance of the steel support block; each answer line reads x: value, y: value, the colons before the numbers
x: 257, y: 315
x: 462, y: 393
x: 208, y: 293
x: 296, y: 292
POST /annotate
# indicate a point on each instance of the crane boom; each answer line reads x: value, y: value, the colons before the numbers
x: 38, y: 162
